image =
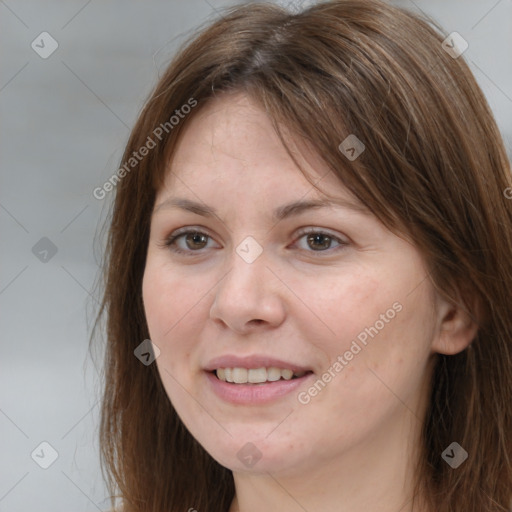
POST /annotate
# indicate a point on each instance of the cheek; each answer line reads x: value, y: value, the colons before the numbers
x: 339, y: 308
x: 169, y: 298
x: 170, y: 308
x: 376, y: 325
x: 157, y: 301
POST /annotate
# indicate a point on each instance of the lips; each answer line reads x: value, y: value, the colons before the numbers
x: 263, y: 393
x: 255, y: 368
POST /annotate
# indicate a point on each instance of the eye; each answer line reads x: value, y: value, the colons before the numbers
x: 193, y: 241
x: 320, y: 241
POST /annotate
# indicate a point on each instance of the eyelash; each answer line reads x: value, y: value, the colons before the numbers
x: 169, y: 242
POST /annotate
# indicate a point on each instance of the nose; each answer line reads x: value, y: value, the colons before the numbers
x: 249, y: 296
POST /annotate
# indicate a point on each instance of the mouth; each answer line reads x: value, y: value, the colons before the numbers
x: 255, y: 380
x: 253, y: 386
x: 257, y: 376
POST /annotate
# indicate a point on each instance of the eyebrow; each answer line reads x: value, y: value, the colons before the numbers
x: 280, y: 213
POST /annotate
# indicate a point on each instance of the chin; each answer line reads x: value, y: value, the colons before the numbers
x: 258, y: 456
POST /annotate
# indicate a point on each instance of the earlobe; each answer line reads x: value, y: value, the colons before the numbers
x: 457, y: 329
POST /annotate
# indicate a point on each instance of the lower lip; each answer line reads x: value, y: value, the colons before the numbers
x: 247, y: 394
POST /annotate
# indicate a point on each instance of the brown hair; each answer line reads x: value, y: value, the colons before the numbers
x: 434, y: 163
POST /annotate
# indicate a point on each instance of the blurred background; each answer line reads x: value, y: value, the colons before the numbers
x: 74, y: 76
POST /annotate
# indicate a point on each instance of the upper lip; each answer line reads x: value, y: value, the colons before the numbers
x: 253, y: 362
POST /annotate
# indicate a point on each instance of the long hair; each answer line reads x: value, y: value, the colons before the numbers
x: 434, y: 166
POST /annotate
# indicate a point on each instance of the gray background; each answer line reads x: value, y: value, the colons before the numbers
x: 64, y: 121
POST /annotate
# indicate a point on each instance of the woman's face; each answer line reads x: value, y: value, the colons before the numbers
x: 346, y: 306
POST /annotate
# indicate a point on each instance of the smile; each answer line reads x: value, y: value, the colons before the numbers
x: 263, y: 391
x: 256, y: 375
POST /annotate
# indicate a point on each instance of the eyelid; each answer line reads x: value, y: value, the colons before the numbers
x: 171, y: 238
x: 323, y: 231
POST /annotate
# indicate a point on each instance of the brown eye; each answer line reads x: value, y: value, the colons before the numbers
x: 319, y: 241
x: 196, y: 240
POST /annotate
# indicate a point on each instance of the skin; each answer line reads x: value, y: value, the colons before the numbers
x: 353, y: 446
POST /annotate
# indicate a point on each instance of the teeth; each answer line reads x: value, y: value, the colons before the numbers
x: 255, y: 376
x: 240, y: 375
x: 273, y: 374
x: 287, y: 374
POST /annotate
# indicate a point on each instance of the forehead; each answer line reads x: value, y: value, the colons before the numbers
x: 231, y: 147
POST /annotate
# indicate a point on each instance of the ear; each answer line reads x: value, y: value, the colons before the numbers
x: 456, y: 327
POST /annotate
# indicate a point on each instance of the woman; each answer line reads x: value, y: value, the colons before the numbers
x: 309, y: 231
